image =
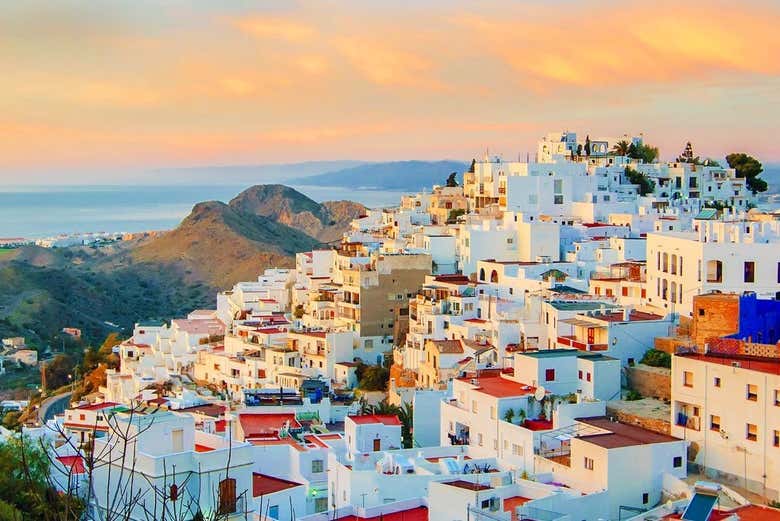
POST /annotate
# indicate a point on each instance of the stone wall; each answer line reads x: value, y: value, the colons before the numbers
x: 653, y: 382
x: 662, y: 426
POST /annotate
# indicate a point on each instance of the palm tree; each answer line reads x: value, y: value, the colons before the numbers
x: 621, y: 148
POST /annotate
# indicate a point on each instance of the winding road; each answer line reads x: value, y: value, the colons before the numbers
x: 53, y: 405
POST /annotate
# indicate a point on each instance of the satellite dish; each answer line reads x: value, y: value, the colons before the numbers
x: 540, y: 393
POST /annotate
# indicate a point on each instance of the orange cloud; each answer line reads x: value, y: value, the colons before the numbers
x: 386, y: 65
x: 276, y: 29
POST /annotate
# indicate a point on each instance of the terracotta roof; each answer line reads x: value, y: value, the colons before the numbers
x: 385, y: 419
x: 96, y: 406
x: 263, y: 484
x: 413, y: 514
x: 634, y: 316
x: 467, y: 485
x: 259, y: 425
x: 447, y: 346
x: 499, y: 387
x: 73, y: 464
x: 621, y: 434
x: 752, y: 363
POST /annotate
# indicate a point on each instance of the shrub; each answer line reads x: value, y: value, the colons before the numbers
x: 633, y: 395
x: 656, y: 358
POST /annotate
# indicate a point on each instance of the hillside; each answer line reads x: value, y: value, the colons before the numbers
x: 398, y: 175
x: 218, y: 244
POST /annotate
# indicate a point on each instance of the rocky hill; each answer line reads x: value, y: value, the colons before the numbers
x: 218, y: 244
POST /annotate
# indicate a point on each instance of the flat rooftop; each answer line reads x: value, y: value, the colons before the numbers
x: 621, y: 435
x: 499, y: 387
x: 753, y: 363
x: 585, y: 305
x: 467, y: 485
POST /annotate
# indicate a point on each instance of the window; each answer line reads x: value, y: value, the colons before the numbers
x: 777, y: 397
x: 750, y: 271
x: 716, y: 382
x: 677, y: 462
x: 473, y: 406
x: 751, y: 432
x: 587, y: 377
x: 776, y: 438
x: 687, y: 378
x: 714, y: 422
x: 227, y: 496
x: 558, y: 199
x: 479, y: 439
x: 317, y: 466
x: 273, y: 511
x: 701, y: 312
x: 517, y: 450
x: 492, y: 412
x: 495, y: 444
x: 177, y: 440
x: 320, y: 504
x: 549, y: 375
x: 588, y: 463
x: 646, y: 496
x: 624, y: 291
x: 752, y: 392
x: 579, y: 374
x: 714, y: 271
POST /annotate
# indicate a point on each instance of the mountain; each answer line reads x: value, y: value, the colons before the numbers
x: 397, y: 175
x: 215, y: 246
x: 326, y: 221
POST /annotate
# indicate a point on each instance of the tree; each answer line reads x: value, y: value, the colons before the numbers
x: 621, y: 147
x: 452, y: 218
x: 451, y: 180
x: 57, y: 371
x: 372, y: 377
x: 587, y: 146
x: 687, y: 155
x: 645, y: 153
x: 646, y: 185
x: 750, y: 168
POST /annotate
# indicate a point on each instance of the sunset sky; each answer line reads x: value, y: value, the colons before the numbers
x: 114, y: 86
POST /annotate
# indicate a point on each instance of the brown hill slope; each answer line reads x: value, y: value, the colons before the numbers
x: 326, y: 221
x: 219, y: 246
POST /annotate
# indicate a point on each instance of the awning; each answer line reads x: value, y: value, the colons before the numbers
x: 581, y: 322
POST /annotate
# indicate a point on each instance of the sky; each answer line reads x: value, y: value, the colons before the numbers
x: 98, y: 90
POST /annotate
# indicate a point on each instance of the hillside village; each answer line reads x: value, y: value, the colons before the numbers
x: 593, y: 334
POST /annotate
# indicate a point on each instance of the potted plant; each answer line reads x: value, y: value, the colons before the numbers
x: 509, y: 415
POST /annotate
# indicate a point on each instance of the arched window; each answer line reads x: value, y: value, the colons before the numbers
x: 482, y: 274
x: 494, y: 276
x: 665, y: 267
x: 674, y: 264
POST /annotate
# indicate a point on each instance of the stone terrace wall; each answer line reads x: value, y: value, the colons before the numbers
x: 654, y: 382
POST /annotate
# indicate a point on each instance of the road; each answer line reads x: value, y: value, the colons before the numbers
x: 53, y: 405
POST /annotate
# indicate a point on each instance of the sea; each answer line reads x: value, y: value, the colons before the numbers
x: 34, y: 212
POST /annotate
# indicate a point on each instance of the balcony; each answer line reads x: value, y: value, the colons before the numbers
x: 571, y: 341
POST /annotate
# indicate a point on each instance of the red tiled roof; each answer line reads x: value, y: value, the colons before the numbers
x: 263, y: 484
x: 385, y: 419
x: 621, y: 434
x: 499, y: 387
x: 634, y: 316
x: 258, y: 425
x: 753, y: 363
x: 203, y: 448
x: 74, y: 464
x: 447, y: 346
x: 413, y: 514
x: 467, y: 485
x: 96, y: 406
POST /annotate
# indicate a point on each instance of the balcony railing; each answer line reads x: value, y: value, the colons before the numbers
x: 571, y: 341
